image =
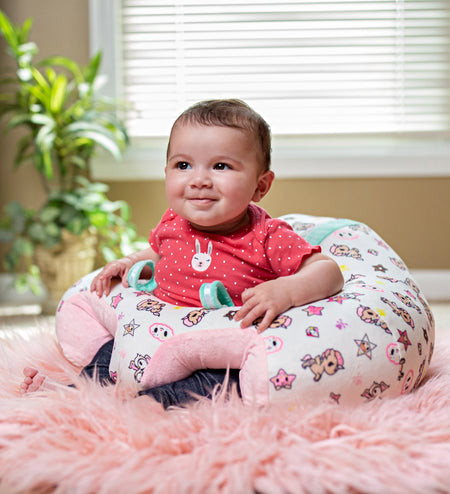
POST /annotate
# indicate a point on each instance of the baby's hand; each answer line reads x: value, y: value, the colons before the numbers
x: 101, y: 284
x: 266, y: 300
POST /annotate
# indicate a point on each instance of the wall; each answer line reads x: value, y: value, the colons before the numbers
x: 410, y: 214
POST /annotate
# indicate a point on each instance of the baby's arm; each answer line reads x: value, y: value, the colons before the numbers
x: 318, y: 277
x: 101, y: 284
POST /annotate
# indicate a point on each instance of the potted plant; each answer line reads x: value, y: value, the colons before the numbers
x: 66, y: 122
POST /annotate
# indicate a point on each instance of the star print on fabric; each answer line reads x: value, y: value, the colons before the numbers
x: 365, y: 347
x: 282, y: 380
x: 344, y: 267
x: 337, y: 298
x: 313, y: 310
x: 116, y: 300
x: 404, y: 339
x: 379, y: 268
x: 130, y: 327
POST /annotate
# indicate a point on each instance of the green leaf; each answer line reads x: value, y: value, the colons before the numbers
x: 103, y: 140
x: 77, y: 225
x: 52, y: 230
x: 17, y: 120
x: 98, y: 187
x: 45, y: 138
x: 26, y: 28
x: 34, y: 280
x: 58, y: 94
x: 67, y: 63
x: 79, y: 161
x: 17, y: 215
x: 51, y: 74
x: 21, y: 283
x: 23, y: 146
x: 24, y: 74
x: 91, y: 70
x: 49, y: 214
x: 40, y: 119
x: 67, y: 214
x: 8, y: 30
x: 98, y: 219
x: 125, y: 210
x: 6, y: 235
x: 25, y: 53
x: 44, y: 143
x: 108, y: 254
x: 37, y: 92
x: 37, y: 233
x: 40, y: 80
x: 43, y: 163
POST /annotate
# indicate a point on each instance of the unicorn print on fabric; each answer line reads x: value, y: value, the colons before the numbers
x: 329, y: 362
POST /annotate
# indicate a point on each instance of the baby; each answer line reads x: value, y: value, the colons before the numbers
x: 218, y: 165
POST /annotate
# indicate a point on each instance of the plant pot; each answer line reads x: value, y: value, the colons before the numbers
x: 65, y: 263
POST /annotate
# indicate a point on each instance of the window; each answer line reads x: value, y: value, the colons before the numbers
x: 338, y: 81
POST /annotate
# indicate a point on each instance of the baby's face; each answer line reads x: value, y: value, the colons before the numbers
x: 212, y: 175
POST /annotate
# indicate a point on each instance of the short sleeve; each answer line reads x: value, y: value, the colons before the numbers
x: 285, y: 249
x: 155, y: 235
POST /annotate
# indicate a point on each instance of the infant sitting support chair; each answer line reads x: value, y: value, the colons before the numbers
x: 372, y: 340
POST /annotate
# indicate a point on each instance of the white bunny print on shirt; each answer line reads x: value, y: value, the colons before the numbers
x: 201, y: 260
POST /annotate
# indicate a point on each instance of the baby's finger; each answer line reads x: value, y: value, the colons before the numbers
x: 246, y: 295
x: 125, y: 278
x: 106, y: 286
x: 248, y: 315
x: 266, y: 321
x: 94, y: 284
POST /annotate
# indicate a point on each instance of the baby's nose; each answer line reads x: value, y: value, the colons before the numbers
x: 201, y: 179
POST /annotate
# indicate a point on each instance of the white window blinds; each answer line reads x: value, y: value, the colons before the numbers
x: 316, y: 67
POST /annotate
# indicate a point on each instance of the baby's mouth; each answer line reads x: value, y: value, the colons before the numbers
x: 201, y: 200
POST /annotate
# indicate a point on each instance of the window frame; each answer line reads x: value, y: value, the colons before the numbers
x: 354, y: 156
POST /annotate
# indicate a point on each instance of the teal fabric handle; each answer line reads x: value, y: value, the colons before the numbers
x: 320, y: 232
x: 135, y: 272
x: 214, y: 296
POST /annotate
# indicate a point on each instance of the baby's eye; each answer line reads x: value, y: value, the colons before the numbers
x: 221, y: 166
x: 182, y: 165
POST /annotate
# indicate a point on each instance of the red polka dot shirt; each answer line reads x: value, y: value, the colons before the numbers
x: 262, y: 250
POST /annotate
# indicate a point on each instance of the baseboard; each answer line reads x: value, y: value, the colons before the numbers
x: 435, y: 283
x: 10, y: 297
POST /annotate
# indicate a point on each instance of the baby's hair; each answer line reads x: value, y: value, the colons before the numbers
x: 231, y: 113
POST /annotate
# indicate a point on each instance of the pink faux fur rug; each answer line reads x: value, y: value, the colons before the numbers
x: 93, y: 440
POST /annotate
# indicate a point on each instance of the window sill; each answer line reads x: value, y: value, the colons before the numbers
x: 294, y: 159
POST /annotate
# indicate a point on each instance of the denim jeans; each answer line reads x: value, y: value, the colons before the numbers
x: 200, y: 383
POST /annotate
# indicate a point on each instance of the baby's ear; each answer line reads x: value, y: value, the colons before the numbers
x: 263, y: 186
